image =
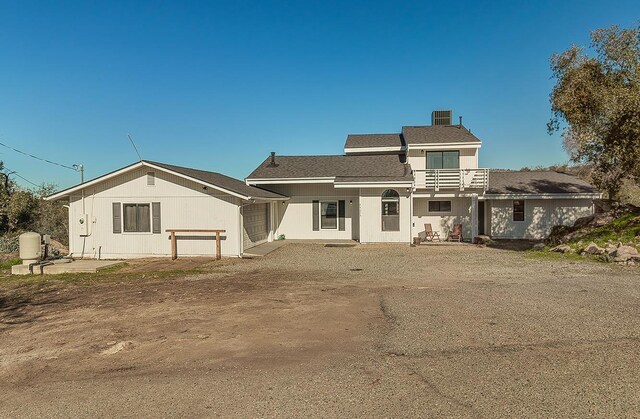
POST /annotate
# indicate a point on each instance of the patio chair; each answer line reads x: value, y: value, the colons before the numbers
x: 429, y: 234
x: 456, y: 233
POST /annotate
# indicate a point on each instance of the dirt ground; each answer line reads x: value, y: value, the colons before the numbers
x: 380, y: 331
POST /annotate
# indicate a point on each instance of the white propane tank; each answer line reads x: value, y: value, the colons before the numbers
x: 30, y: 249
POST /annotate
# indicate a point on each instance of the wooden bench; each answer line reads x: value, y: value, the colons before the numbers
x: 174, y: 246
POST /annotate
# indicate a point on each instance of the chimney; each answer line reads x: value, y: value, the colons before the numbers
x: 460, y: 124
x: 272, y: 163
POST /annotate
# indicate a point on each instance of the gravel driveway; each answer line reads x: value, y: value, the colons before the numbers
x: 374, y: 330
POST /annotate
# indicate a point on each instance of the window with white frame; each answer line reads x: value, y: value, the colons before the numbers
x: 390, y: 210
x: 151, y: 178
x: 329, y: 215
x: 518, y: 210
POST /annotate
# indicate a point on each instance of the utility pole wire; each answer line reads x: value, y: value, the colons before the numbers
x: 134, y: 147
x: 14, y: 173
x: 39, y: 158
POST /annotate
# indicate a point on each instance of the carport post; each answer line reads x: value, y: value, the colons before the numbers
x: 474, y: 216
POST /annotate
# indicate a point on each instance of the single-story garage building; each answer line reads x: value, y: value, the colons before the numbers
x: 125, y: 214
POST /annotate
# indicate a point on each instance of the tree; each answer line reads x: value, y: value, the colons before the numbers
x: 597, y: 96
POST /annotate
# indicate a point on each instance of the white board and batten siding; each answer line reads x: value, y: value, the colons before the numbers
x: 540, y: 216
x: 183, y: 204
x: 371, y: 217
x: 294, y: 218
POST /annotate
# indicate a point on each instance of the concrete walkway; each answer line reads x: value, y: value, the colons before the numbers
x: 60, y: 267
x: 263, y: 249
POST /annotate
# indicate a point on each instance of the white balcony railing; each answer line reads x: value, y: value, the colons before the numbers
x: 460, y: 179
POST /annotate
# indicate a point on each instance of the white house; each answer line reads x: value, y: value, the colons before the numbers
x: 385, y: 188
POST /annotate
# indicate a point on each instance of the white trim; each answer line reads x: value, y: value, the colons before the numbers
x: 95, y: 181
x: 394, y: 184
x: 442, y: 146
x: 337, y: 215
x: 134, y: 166
x: 513, y: 211
x: 282, y: 181
x: 356, y: 150
x: 544, y: 196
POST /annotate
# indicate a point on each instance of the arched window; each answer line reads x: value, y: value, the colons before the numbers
x: 390, y: 210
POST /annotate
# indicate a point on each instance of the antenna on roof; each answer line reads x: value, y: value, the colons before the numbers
x: 134, y: 146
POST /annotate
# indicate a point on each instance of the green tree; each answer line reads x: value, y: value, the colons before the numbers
x: 596, y: 104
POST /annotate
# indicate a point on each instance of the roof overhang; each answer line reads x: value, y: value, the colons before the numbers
x: 443, y: 146
x: 286, y: 181
x: 81, y: 186
x: 382, y: 184
x: 544, y: 196
x: 369, y: 150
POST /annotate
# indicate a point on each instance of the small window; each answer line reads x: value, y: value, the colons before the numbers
x: 439, y: 206
x: 518, y: 210
x: 390, y: 210
x: 137, y: 218
x: 329, y: 215
x: 151, y: 178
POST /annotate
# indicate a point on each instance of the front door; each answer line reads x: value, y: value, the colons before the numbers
x: 481, y: 217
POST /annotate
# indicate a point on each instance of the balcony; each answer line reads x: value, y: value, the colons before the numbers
x: 451, y: 179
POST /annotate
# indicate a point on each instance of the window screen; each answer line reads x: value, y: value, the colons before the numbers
x: 439, y: 206
x: 137, y: 218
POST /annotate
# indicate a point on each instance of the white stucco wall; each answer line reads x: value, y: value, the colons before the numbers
x: 184, y: 204
x: 540, y: 216
x: 295, y: 216
x: 442, y: 222
x: 371, y: 217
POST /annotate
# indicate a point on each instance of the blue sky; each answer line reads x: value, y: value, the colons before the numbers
x: 217, y: 86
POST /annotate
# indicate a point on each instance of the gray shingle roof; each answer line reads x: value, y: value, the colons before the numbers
x: 536, y: 182
x: 217, y: 179
x: 373, y: 140
x: 438, y: 134
x: 351, y: 166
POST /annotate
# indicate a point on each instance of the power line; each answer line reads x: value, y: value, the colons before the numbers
x: 40, y: 158
x: 11, y: 172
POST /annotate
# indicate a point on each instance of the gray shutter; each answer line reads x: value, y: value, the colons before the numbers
x: 341, y: 211
x: 117, y: 218
x: 316, y: 215
x: 155, y: 214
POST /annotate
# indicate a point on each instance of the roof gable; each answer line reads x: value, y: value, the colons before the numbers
x: 215, y: 180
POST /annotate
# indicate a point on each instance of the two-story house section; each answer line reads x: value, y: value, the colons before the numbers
x: 386, y: 187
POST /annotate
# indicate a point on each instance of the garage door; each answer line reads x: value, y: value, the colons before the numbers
x: 256, y: 225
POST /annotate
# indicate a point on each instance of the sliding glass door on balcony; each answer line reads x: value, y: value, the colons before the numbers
x: 443, y: 160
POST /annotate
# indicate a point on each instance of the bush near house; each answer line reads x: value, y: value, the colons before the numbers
x: 24, y: 209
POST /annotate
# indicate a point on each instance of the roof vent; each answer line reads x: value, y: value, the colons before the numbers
x: 441, y: 117
x: 272, y: 162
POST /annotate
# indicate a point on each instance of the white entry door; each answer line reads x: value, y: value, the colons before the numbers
x: 256, y: 225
